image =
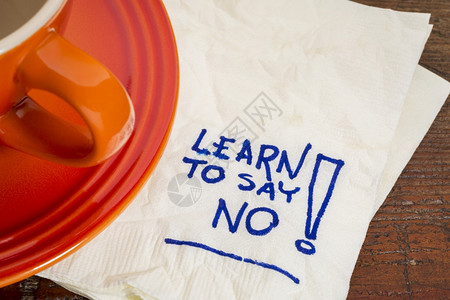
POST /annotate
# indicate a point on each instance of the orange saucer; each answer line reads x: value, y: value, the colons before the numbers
x: 48, y: 211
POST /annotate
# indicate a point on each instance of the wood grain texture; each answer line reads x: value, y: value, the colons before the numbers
x: 405, y: 254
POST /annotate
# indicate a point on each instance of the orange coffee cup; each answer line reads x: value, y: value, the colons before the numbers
x: 34, y: 57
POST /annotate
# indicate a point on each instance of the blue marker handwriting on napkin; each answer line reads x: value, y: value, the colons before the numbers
x: 264, y: 160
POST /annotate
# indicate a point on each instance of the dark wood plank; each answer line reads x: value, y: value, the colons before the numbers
x: 405, y: 254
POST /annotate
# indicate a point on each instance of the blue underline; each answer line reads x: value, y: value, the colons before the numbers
x: 233, y: 256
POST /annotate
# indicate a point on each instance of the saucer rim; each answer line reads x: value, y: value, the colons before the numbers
x: 133, y: 189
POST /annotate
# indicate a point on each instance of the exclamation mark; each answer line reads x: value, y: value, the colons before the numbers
x: 306, y: 246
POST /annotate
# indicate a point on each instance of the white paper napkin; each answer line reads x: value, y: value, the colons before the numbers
x: 291, y: 129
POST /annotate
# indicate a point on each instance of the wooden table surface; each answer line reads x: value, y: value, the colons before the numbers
x: 405, y: 254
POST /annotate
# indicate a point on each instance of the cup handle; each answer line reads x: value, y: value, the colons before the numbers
x: 58, y: 67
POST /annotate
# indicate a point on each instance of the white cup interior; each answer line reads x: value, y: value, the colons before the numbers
x: 19, y: 19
